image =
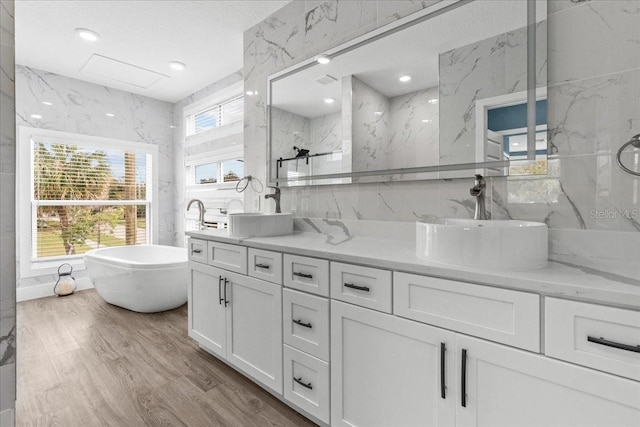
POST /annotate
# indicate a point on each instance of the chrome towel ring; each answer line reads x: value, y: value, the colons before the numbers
x: 635, y: 142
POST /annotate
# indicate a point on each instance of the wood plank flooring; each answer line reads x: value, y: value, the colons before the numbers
x: 83, y: 362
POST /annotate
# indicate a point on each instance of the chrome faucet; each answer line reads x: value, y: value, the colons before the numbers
x: 478, y: 191
x: 276, y: 197
x: 200, y: 214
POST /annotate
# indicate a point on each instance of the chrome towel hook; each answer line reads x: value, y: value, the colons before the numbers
x: 635, y: 142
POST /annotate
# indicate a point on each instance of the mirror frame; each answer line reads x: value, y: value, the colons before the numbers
x: 426, y: 14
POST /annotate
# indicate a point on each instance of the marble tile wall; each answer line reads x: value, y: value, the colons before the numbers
x: 80, y: 107
x: 370, y: 128
x: 414, y: 130
x: 594, y: 106
x: 7, y: 216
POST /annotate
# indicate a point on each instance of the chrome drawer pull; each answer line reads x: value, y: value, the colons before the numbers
x: 263, y: 266
x: 356, y: 287
x: 301, y: 323
x: 602, y: 341
x: 299, y: 381
x: 305, y: 275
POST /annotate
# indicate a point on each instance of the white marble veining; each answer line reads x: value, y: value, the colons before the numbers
x: 414, y: 131
x: 594, y: 38
x: 481, y: 70
x: 557, y: 279
x: 370, y: 128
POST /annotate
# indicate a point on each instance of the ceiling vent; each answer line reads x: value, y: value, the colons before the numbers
x: 326, y: 79
x: 122, y: 72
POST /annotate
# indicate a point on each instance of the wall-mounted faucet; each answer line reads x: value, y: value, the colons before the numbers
x: 276, y: 197
x: 201, y: 225
x: 478, y: 191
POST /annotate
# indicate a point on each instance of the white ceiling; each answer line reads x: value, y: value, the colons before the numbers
x: 206, y: 35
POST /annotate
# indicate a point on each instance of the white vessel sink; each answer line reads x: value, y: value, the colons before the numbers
x: 491, y: 244
x: 260, y: 224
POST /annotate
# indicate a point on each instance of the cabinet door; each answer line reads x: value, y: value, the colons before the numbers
x: 207, y: 315
x: 387, y: 371
x: 254, y: 329
x: 509, y: 387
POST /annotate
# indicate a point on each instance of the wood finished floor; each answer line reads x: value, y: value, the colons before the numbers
x: 83, y: 362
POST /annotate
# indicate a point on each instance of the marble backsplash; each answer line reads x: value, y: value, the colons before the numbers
x: 593, y: 107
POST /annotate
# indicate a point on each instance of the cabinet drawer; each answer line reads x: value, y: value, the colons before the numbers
x: 599, y: 337
x: 306, y: 274
x: 265, y: 265
x: 229, y: 257
x: 306, y: 322
x: 501, y: 315
x: 364, y: 286
x: 306, y: 383
x: 198, y: 250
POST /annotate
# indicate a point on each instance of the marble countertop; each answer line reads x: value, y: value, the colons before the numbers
x: 557, y: 279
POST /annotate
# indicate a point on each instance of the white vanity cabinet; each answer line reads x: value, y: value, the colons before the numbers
x: 239, y: 319
x: 388, y: 371
x: 358, y: 346
x: 504, y: 386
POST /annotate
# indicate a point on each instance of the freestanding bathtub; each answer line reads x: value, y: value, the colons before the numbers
x: 143, y: 278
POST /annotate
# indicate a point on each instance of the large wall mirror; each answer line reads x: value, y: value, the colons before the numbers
x: 457, y: 89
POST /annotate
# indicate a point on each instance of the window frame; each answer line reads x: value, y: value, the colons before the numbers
x: 30, y: 267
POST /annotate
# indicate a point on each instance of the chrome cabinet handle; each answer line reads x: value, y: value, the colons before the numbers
x: 263, y: 266
x: 305, y: 275
x: 301, y: 323
x: 602, y: 341
x: 303, y: 384
x: 356, y: 287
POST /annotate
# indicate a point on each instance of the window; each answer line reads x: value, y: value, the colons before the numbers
x: 224, y: 113
x: 82, y: 193
x: 214, y: 172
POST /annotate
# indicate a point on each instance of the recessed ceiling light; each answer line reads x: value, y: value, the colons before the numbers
x: 323, y: 59
x: 87, y: 34
x: 433, y: 101
x: 329, y: 100
x: 176, y: 65
x: 404, y: 78
x: 172, y: 126
x: 426, y: 121
x: 36, y: 116
x: 47, y: 103
x: 109, y: 114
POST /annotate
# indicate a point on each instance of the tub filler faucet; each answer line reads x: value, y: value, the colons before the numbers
x: 478, y: 191
x: 201, y: 212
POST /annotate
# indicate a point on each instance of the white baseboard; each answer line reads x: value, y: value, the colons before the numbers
x: 8, y: 418
x: 46, y: 290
